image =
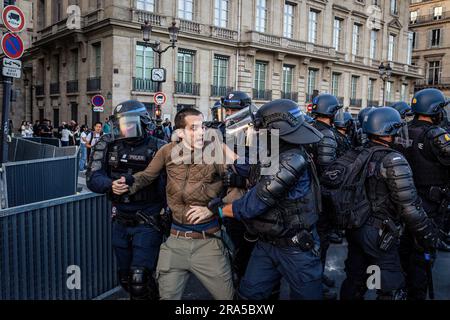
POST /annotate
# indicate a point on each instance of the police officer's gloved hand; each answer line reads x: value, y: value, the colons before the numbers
x: 215, y: 205
x: 233, y: 180
x: 129, y: 179
x: 427, y: 237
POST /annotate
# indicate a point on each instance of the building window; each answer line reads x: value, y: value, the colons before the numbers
x: 394, y: 8
x: 57, y: 10
x: 391, y: 47
x: 354, y: 87
x: 185, y: 66
x: 261, y: 15
x: 147, y: 5
x: 434, y: 72
x: 312, y: 32
x: 221, y: 13
x: 356, y: 39
x: 437, y: 13
x: 260, y: 75
x: 389, y: 86
x: 335, y: 84
x: 404, y: 92
x: 312, y: 76
x: 373, y: 44
x: 73, y: 68
x: 220, y: 75
x: 337, y: 33
x: 414, y: 40
x: 288, y: 20
x: 145, y: 60
x: 376, y: 2
x: 370, y: 89
x: 435, y: 37
x: 186, y: 9
x: 287, y: 78
x: 410, y: 47
x: 413, y: 17
x: 98, y: 59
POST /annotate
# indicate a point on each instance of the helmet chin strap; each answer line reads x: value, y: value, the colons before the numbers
x: 377, y: 139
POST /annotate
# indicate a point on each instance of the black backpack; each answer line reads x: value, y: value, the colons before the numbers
x: 343, y: 187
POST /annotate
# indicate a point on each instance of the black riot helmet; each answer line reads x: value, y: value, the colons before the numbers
x: 217, y: 112
x: 284, y: 115
x: 383, y: 121
x: 403, y: 108
x: 344, y: 120
x: 428, y: 102
x: 236, y: 100
x: 130, y: 120
x: 363, y: 113
x: 325, y: 105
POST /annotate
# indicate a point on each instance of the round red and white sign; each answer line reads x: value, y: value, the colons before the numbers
x: 160, y: 98
x: 13, y: 18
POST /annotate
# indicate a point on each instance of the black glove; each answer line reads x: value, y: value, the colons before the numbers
x: 233, y: 180
x: 129, y: 179
x: 427, y: 237
x: 214, y: 206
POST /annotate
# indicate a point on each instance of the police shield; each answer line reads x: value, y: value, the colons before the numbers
x: 239, y: 127
x: 402, y: 137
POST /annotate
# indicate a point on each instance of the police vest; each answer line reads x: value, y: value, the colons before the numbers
x: 426, y: 169
x: 126, y: 158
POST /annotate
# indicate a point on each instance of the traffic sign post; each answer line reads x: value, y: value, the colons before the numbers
x: 98, y: 101
x: 12, y: 46
x: 159, y: 98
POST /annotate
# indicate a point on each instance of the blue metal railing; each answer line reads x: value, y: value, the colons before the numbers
x: 38, y: 242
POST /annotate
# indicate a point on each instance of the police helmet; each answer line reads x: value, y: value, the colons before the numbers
x: 363, y: 113
x: 428, y: 102
x: 130, y: 120
x: 343, y: 121
x: 383, y: 121
x: 236, y: 100
x: 284, y: 115
x: 325, y: 105
x: 403, y: 108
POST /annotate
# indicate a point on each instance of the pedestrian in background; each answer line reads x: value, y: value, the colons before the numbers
x: 66, y: 135
x: 83, y: 150
x: 93, y: 137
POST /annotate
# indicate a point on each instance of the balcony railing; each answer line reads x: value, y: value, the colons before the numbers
x: 94, y: 84
x: 290, y: 95
x: 190, y: 26
x: 152, y: 18
x: 373, y: 103
x: 72, y: 86
x: 187, y: 88
x: 262, y: 94
x: 443, y: 82
x: 355, y: 102
x: 223, y: 33
x: 217, y: 91
x: 430, y: 18
x: 40, y: 90
x: 144, y: 85
x: 54, y: 88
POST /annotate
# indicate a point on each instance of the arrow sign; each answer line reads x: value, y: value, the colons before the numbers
x: 13, y: 18
x: 12, y: 46
x: 98, y: 100
x: 160, y: 98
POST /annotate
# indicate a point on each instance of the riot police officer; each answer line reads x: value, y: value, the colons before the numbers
x: 136, y: 229
x: 405, y: 111
x: 403, y: 108
x: 324, y: 109
x: 393, y: 200
x: 361, y: 138
x: 429, y: 157
x: 282, y: 210
x: 344, y: 125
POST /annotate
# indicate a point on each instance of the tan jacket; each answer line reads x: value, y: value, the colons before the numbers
x: 187, y: 184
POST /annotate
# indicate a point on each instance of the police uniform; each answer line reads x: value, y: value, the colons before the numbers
x: 136, y: 229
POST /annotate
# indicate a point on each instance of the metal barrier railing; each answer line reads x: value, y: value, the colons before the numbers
x: 21, y: 149
x: 49, y: 248
x: 31, y: 181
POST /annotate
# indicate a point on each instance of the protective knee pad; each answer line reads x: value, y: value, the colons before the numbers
x: 398, y: 294
x: 124, y: 277
x: 142, y: 284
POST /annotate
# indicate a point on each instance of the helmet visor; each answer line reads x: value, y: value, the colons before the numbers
x: 126, y: 127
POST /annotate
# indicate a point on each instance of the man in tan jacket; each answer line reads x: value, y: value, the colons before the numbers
x: 194, y: 245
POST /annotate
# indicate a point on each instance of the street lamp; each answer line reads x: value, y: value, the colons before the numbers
x: 159, y: 74
x: 385, y: 73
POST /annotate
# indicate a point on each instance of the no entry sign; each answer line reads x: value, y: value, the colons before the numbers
x: 13, y: 18
x: 12, y: 46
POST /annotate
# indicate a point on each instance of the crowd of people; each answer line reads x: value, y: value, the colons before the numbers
x: 381, y: 180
